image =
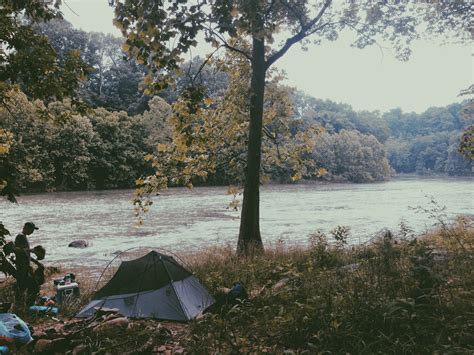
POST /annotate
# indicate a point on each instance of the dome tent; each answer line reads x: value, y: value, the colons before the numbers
x: 153, y: 286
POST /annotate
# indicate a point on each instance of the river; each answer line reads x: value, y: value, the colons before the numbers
x: 183, y: 219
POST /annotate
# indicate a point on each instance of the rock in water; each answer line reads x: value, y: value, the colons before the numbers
x: 78, y: 244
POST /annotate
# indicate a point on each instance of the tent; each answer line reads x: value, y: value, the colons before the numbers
x: 153, y: 286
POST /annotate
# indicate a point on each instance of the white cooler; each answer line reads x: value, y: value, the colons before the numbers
x: 67, y: 292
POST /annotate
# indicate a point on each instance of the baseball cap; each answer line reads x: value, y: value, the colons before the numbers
x: 31, y: 225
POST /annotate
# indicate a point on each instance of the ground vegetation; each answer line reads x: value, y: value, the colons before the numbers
x: 397, y: 293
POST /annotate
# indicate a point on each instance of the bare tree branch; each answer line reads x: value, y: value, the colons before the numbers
x: 361, y: 33
x: 268, y: 133
x: 303, y: 32
x: 273, y: 138
x: 203, y: 64
x: 225, y: 44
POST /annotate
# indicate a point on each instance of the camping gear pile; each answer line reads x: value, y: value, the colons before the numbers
x: 67, y: 291
x: 45, y: 306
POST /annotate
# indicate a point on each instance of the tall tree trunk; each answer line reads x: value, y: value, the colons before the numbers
x: 250, y: 240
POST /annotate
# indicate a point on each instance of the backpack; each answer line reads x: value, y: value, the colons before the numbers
x: 236, y: 293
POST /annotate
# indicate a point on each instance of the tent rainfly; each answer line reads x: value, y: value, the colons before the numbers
x: 153, y: 286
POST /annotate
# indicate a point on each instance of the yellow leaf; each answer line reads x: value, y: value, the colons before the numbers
x: 232, y: 190
x: 3, y: 184
x: 265, y: 179
x: 148, y: 80
x: 296, y: 177
x: 321, y: 172
x: 161, y: 147
x: 4, y: 148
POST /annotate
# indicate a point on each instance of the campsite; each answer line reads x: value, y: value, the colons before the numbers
x: 236, y: 177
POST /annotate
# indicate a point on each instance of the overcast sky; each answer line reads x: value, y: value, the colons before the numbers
x: 365, y: 79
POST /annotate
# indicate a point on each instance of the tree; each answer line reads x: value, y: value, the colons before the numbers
x: 55, y: 147
x: 159, y: 33
x: 207, y: 142
x: 422, y: 143
x: 333, y: 117
x: 113, y: 81
x: 352, y: 156
x: 27, y: 163
x: 28, y: 61
x: 466, y: 147
x: 457, y: 163
x: 156, y: 122
x: 118, y: 149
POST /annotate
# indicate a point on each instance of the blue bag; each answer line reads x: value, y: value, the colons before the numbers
x: 13, y: 331
x: 43, y: 310
x: 237, y: 292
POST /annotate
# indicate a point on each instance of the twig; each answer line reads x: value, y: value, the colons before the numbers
x: 67, y: 5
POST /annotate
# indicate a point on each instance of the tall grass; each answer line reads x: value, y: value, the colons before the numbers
x: 398, y: 294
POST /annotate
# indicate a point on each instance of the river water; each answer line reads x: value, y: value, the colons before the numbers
x: 183, y: 219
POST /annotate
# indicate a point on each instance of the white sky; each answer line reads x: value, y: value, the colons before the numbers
x: 365, y: 79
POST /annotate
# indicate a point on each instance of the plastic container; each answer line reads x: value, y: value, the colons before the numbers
x: 67, y: 292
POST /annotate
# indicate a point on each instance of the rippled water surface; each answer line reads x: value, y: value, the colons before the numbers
x: 183, y: 219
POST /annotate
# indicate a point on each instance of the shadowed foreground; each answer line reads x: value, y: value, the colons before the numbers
x: 397, y: 294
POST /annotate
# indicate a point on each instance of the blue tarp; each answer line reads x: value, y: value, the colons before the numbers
x: 13, y: 331
x: 43, y: 310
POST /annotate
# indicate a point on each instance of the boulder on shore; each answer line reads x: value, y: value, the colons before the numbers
x: 78, y: 244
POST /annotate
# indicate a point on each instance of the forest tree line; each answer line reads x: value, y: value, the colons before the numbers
x: 98, y: 139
